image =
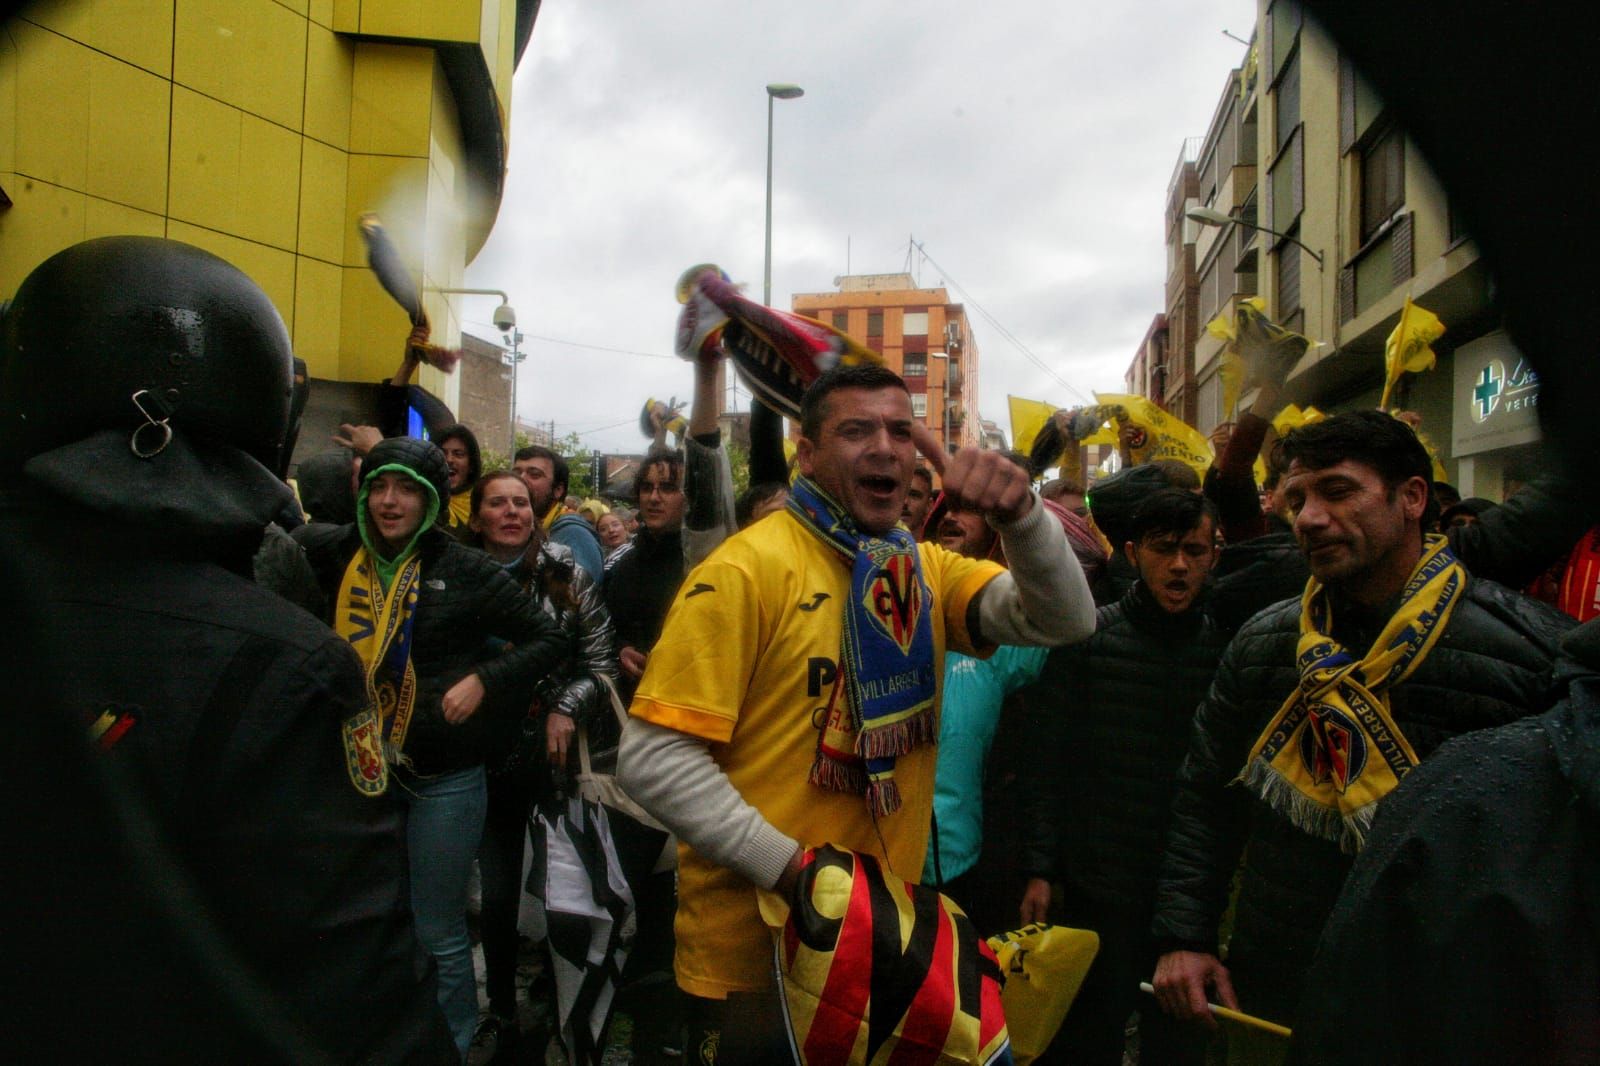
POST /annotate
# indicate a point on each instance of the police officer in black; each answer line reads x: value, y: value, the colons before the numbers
x: 200, y: 880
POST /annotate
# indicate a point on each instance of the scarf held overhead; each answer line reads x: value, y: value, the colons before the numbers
x: 378, y: 626
x: 1333, y: 750
x: 886, y: 671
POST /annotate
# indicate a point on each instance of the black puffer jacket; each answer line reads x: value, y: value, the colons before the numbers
x: 639, y: 590
x: 465, y: 598
x: 1252, y: 575
x: 1126, y: 698
x: 1476, y: 890
x: 1491, y: 666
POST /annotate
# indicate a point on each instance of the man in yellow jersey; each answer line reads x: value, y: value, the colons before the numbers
x: 805, y: 640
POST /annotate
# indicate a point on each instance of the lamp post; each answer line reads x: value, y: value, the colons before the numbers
x: 505, y: 320
x: 1210, y: 216
x: 775, y: 91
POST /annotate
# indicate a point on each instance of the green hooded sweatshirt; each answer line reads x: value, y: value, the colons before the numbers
x: 387, y: 568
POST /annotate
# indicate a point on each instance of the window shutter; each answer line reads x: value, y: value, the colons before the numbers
x: 1401, y: 267
x: 1266, y: 45
x: 1347, y: 294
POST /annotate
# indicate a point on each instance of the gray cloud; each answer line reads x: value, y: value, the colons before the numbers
x: 1028, y: 145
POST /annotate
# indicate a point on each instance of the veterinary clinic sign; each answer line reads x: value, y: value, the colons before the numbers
x: 1496, y: 397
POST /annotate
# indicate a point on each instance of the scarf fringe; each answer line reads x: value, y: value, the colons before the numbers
x: 883, y: 796
x: 886, y: 741
x: 837, y: 775
x: 1349, y: 831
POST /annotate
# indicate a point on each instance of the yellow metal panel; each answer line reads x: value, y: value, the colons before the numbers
x: 268, y: 194
x: 205, y: 161
x: 330, y: 66
x: 321, y: 12
x: 324, y: 173
x: 269, y: 268
x: 397, y: 189
x: 429, y: 20
x: 347, y: 16
x: 102, y: 218
x: 129, y: 110
x: 250, y: 53
x: 8, y: 104
x: 42, y: 220
x: 299, y: 7
x: 391, y: 99
x: 53, y: 127
x: 318, y: 289
x: 138, y: 31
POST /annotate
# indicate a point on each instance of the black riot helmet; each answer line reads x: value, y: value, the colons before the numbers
x: 146, y: 337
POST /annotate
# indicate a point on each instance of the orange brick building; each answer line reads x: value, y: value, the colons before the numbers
x: 921, y: 335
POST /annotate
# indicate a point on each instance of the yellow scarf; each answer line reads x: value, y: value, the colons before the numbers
x: 378, y: 626
x: 1333, y: 751
x: 460, y: 510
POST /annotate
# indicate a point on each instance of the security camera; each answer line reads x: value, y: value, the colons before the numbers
x: 505, y: 319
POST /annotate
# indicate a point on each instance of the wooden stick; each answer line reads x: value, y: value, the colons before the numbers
x: 1233, y: 1015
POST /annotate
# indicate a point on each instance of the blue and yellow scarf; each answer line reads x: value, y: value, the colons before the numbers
x: 886, y: 670
x: 1333, y: 750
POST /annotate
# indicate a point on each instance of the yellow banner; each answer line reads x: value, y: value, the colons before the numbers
x: 1166, y: 437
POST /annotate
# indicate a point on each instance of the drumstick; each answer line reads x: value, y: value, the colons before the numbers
x: 1233, y: 1015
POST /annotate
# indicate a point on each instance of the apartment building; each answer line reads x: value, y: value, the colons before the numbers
x: 921, y: 335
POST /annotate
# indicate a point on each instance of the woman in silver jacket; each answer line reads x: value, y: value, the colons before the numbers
x: 530, y: 745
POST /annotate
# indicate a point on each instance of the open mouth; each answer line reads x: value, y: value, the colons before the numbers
x: 879, y: 486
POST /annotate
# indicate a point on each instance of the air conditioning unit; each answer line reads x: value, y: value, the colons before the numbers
x: 952, y: 335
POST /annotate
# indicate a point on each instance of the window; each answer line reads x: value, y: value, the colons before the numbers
x: 915, y: 324
x: 874, y: 323
x: 1286, y: 185
x: 919, y: 405
x: 915, y: 366
x: 841, y: 319
x: 1283, y: 33
x: 1383, y: 180
x: 1286, y: 103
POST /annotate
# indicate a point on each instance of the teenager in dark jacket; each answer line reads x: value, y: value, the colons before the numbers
x: 1402, y: 650
x: 1099, y: 805
x: 422, y: 609
x: 242, y: 900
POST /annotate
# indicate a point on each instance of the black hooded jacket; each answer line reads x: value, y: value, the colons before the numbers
x: 1469, y: 929
x: 464, y: 599
x: 215, y: 708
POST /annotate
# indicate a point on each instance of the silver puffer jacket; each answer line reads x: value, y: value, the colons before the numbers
x: 557, y: 582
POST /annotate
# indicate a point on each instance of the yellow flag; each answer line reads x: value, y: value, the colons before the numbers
x: 1408, y: 350
x: 1028, y: 417
x: 1229, y: 367
x: 1166, y: 437
x: 1291, y: 417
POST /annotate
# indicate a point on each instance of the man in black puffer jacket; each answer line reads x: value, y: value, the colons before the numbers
x: 1358, y: 484
x: 1125, y: 699
x: 432, y: 741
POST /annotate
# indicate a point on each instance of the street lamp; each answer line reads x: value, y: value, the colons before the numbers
x: 1210, y: 216
x: 505, y: 320
x: 775, y: 91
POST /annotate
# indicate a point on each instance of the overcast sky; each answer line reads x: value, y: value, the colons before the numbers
x: 1026, y: 145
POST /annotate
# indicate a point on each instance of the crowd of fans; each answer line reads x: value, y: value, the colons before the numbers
x: 1164, y: 707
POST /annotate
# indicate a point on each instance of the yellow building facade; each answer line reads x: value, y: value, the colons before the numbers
x: 260, y: 130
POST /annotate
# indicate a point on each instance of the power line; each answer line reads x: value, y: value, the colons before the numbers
x: 1004, y: 333
x: 592, y: 347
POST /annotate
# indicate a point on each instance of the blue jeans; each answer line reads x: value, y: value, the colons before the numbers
x: 444, y: 822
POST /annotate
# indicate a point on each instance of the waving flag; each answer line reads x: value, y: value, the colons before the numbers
x: 1409, y: 348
